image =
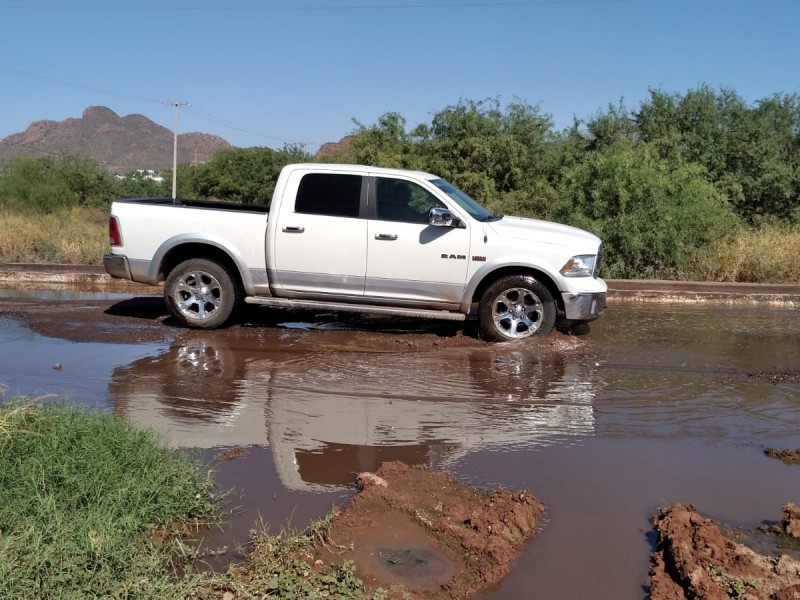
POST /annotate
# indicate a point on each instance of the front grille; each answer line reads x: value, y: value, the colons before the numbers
x: 598, y: 264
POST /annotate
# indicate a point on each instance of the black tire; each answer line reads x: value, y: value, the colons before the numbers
x: 201, y: 293
x: 515, y: 307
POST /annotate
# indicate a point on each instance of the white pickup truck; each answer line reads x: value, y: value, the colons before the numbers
x: 359, y: 239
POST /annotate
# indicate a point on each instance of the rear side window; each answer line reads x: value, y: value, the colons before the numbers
x: 329, y: 194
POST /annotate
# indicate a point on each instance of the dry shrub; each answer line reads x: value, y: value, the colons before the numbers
x: 764, y: 255
x: 72, y: 236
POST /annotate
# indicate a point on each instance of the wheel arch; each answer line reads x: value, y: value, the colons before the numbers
x: 181, y: 252
x: 537, y: 274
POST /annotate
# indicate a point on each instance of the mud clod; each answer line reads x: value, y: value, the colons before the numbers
x: 791, y: 520
x: 367, y: 479
x: 425, y: 535
x: 789, y: 457
x: 694, y: 559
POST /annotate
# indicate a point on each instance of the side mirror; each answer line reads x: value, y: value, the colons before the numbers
x: 440, y: 217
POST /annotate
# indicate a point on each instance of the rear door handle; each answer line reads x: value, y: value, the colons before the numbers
x: 385, y: 236
x: 294, y: 229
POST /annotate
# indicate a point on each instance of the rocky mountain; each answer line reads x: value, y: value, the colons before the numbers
x: 120, y: 144
x: 334, y: 148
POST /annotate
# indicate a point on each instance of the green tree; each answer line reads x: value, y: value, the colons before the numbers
x: 654, y: 217
x: 485, y: 149
x: 494, y: 153
x: 384, y: 144
x: 43, y: 185
x: 750, y: 153
x: 243, y: 175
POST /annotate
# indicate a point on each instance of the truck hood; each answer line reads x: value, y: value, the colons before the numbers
x: 545, y: 232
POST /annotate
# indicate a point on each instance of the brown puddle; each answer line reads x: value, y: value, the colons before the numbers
x: 657, y: 404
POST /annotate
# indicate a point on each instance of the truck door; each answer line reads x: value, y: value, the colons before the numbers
x: 408, y: 259
x: 320, y: 244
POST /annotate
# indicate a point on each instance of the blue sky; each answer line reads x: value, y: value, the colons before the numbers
x: 275, y: 71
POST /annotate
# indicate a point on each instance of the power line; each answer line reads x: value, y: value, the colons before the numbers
x: 80, y: 86
x: 311, y: 7
x: 60, y: 153
x: 230, y: 125
x: 204, y: 115
x: 29, y: 147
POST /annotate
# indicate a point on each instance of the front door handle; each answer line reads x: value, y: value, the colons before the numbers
x: 385, y: 236
x: 294, y: 229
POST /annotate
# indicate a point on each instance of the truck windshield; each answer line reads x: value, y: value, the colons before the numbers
x: 475, y: 210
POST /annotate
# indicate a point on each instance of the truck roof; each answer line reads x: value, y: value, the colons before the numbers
x: 381, y: 171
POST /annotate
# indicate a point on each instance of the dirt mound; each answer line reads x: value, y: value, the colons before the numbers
x: 694, y: 559
x: 423, y: 534
x: 790, y: 457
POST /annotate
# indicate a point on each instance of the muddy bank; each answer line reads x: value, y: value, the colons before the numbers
x: 695, y: 559
x: 417, y: 532
x: 410, y: 533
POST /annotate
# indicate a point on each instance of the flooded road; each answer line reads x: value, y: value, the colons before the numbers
x: 658, y: 403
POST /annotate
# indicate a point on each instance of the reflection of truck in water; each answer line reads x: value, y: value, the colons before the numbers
x: 329, y: 415
x: 359, y: 239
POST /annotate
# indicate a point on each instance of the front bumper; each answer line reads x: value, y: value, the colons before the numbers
x: 117, y: 266
x: 584, y: 307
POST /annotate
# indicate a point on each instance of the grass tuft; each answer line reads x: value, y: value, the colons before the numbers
x: 283, y: 566
x: 79, y: 492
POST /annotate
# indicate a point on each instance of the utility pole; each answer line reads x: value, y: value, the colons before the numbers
x: 177, y: 106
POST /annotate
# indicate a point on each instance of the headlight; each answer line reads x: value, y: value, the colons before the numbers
x: 579, y: 266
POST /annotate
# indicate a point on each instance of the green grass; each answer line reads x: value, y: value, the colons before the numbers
x: 92, y: 507
x: 80, y: 491
x: 283, y: 566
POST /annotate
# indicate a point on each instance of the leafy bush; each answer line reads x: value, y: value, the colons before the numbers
x: 662, y: 184
x: 654, y: 218
x: 43, y: 185
x: 243, y: 175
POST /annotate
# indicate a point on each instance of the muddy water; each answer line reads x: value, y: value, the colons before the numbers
x: 656, y: 404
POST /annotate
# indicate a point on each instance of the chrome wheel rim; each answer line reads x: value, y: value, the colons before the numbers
x: 517, y: 313
x: 198, y: 295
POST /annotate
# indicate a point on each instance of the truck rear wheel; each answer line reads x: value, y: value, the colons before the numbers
x: 201, y: 293
x: 516, y: 307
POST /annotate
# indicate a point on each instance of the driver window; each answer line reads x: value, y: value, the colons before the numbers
x: 399, y: 200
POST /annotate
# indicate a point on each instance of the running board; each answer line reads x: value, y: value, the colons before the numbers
x: 419, y: 313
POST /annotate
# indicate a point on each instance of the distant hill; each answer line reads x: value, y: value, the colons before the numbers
x: 334, y: 148
x: 119, y: 144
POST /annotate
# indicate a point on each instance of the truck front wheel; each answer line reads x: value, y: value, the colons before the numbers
x: 201, y: 293
x: 516, y: 307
